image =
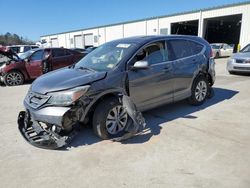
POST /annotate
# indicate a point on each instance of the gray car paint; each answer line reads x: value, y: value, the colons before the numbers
x: 169, y: 85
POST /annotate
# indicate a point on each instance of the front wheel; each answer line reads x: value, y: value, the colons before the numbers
x: 199, y: 91
x: 13, y: 78
x: 110, y: 119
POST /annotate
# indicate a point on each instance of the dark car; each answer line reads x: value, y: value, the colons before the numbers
x: 151, y: 70
x: 15, y: 70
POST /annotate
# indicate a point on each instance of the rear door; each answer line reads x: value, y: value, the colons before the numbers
x: 34, y: 64
x: 61, y: 58
x: 153, y: 86
x: 186, y: 56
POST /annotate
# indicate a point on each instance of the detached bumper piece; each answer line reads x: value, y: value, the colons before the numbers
x: 36, y: 135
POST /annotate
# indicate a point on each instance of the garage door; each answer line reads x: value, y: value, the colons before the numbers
x: 88, y: 40
x: 54, y: 42
x: 78, y: 41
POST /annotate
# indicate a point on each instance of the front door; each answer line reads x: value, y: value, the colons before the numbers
x: 34, y: 64
x: 153, y: 86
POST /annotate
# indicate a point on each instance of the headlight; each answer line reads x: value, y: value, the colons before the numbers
x: 231, y: 60
x: 67, y: 97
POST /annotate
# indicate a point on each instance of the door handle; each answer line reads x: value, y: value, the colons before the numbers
x: 167, y: 69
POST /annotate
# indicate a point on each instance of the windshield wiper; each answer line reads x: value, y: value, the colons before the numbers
x: 86, y: 68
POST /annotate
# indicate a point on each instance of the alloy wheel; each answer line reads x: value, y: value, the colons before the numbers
x: 116, y: 120
x: 201, y: 91
x: 14, y: 78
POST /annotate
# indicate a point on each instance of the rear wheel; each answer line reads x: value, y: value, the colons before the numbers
x: 13, y: 78
x: 110, y: 119
x: 199, y: 91
x: 217, y: 55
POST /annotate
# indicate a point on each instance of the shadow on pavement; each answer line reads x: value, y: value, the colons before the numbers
x: 156, y: 117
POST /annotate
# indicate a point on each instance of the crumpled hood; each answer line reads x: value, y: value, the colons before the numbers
x: 8, y: 53
x: 64, y: 79
x: 240, y: 55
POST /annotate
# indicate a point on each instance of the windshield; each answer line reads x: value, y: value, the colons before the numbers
x: 246, y: 49
x: 215, y: 46
x: 26, y: 54
x: 107, y: 56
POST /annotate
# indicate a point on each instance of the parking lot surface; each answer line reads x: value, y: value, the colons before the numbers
x: 182, y: 146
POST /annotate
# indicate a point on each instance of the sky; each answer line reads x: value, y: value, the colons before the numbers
x: 33, y: 18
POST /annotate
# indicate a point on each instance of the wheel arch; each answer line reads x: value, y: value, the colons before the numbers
x: 103, y: 96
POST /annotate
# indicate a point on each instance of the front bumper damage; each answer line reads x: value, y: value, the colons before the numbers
x: 55, y: 127
x: 34, y: 133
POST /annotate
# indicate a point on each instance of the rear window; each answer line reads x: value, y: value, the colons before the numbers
x: 178, y: 49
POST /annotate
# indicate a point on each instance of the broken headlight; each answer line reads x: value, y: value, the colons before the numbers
x: 65, y: 98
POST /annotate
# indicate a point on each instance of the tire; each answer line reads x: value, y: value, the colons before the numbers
x: 217, y: 55
x: 210, y: 94
x: 199, y: 91
x: 103, y: 119
x: 13, y: 78
x: 231, y: 72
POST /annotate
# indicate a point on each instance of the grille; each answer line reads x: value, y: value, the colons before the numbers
x: 242, y: 61
x: 36, y: 100
x: 239, y: 61
x: 242, y: 68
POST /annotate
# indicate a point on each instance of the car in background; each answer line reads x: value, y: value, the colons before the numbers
x: 152, y: 70
x: 240, y: 62
x: 222, y: 49
x: 84, y: 51
x: 28, y: 66
x: 20, y: 49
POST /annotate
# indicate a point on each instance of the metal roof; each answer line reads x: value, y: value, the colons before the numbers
x: 156, y: 17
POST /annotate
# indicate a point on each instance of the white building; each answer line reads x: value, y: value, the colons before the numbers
x: 229, y: 24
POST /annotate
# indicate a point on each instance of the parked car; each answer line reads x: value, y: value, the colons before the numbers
x: 20, y: 49
x: 239, y: 62
x: 222, y: 50
x: 84, y: 51
x: 29, y: 65
x: 152, y: 70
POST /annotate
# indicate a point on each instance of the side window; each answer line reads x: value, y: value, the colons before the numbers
x: 196, y: 47
x: 26, y: 48
x: 33, y: 47
x: 38, y: 55
x: 67, y: 52
x: 179, y: 48
x: 153, y: 53
x: 58, y: 53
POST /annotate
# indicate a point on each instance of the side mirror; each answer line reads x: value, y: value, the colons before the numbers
x: 27, y: 60
x: 46, y: 57
x: 140, y: 65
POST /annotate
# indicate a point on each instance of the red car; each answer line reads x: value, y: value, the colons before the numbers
x: 15, y: 70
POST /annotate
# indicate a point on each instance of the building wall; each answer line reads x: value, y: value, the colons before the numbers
x: 154, y: 25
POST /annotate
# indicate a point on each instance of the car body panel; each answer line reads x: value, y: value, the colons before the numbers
x: 53, y: 81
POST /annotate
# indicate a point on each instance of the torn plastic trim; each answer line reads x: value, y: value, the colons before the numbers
x: 37, y: 136
x: 138, y: 122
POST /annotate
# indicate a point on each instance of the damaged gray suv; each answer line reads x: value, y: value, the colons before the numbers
x: 151, y: 70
